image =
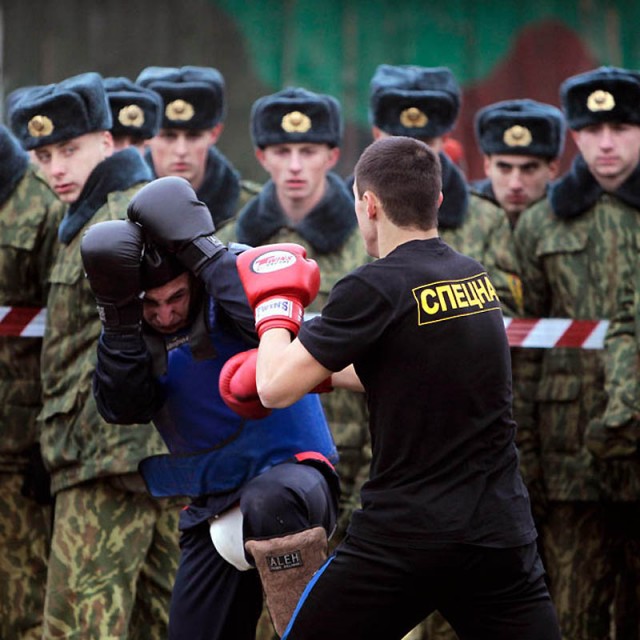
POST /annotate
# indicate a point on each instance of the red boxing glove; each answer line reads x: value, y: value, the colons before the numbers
x: 238, y: 388
x: 279, y: 282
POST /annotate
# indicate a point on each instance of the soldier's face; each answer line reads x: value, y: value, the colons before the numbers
x: 183, y: 153
x: 518, y: 181
x: 67, y: 165
x: 298, y: 170
x: 611, y: 151
x: 166, y: 308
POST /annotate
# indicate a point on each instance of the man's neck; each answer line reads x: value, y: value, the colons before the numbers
x: 297, y: 209
x: 613, y: 183
x: 395, y: 236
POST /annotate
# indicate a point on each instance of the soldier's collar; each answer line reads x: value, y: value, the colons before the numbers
x: 326, y: 227
x: 118, y: 172
x: 13, y: 166
x: 220, y: 189
x: 453, y: 211
x: 577, y: 191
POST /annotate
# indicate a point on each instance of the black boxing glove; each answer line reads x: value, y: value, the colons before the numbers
x: 111, y: 253
x: 172, y: 216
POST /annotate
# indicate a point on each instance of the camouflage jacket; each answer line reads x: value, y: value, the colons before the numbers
x: 622, y: 345
x: 29, y: 218
x: 490, y: 239
x: 575, y: 248
x: 77, y: 444
x: 331, y: 237
x: 487, y: 236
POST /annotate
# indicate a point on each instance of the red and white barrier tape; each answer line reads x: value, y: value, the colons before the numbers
x: 26, y: 322
x: 548, y: 333
x: 544, y: 333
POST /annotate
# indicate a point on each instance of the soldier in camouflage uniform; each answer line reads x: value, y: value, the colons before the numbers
x: 576, y: 249
x: 136, y: 113
x: 114, y: 549
x: 29, y: 218
x: 297, y: 134
x: 521, y: 141
x: 193, y: 119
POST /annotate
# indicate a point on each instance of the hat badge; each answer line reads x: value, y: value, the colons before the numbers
x: 517, y: 136
x: 413, y: 118
x: 600, y: 100
x: 40, y: 126
x: 296, y: 122
x: 131, y: 116
x: 179, y: 110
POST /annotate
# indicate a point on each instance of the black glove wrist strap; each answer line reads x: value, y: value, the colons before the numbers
x: 198, y: 252
x: 118, y: 316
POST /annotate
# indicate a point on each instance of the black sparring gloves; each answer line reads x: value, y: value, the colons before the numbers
x: 111, y: 254
x: 173, y: 218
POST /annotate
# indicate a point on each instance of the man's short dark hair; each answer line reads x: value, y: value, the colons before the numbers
x: 406, y: 176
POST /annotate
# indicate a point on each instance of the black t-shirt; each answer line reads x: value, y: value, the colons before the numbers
x: 424, y: 329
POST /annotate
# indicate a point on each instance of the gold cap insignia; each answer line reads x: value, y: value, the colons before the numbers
x: 131, y: 116
x: 40, y: 126
x: 179, y: 110
x: 517, y: 136
x: 413, y: 118
x: 600, y: 101
x: 296, y: 122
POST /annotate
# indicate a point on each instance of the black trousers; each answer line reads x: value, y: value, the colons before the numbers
x: 368, y: 591
x: 211, y: 599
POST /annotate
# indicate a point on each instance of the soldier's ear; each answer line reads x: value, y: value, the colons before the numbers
x: 334, y: 156
x: 554, y: 168
x: 216, y: 132
x: 107, y: 143
x: 486, y: 160
x: 260, y: 157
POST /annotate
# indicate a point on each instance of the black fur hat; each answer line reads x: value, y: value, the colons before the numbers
x: 135, y: 110
x: 53, y: 113
x: 12, y: 100
x: 606, y: 94
x: 419, y: 102
x: 13, y: 163
x: 521, y: 127
x: 193, y: 97
x: 296, y: 115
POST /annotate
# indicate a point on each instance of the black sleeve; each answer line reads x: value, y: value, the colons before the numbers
x: 124, y: 387
x: 353, y: 319
x: 222, y: 282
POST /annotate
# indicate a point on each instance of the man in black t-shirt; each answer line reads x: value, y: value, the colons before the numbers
x: 445, y: 522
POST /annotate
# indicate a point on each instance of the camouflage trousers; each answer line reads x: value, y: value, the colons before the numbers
x: 353, y: 469
x: 592, y: 555
x: 114, y: 555
x: 24, y: 541
x: 435, y: 627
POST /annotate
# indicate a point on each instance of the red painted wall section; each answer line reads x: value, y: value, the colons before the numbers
x: 534, y: 68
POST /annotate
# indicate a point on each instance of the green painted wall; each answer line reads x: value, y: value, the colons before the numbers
x: 334, y: 46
